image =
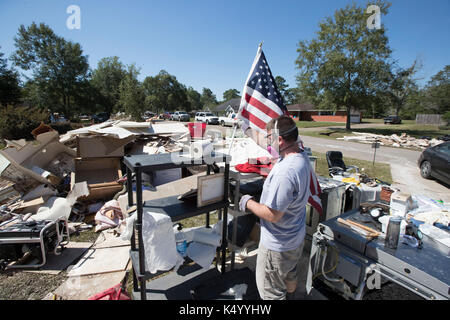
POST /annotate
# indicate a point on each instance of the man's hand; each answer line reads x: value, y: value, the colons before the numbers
x: 243, y: 202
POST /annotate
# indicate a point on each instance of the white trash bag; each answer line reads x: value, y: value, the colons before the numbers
x: 159, y: 242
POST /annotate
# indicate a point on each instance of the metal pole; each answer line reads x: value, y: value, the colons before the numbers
x: 139, y: 232
x: 232, y: 137
x: 225, y: 218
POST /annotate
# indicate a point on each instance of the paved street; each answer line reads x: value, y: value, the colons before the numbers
x: 404, y: 169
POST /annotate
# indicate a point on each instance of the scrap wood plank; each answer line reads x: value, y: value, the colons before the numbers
x: 363, y: 230
x: 107, y: 239
x: 103, y: 260
x: 83, y: 287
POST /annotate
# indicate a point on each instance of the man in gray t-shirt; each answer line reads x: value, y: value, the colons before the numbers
x: 282, y: 212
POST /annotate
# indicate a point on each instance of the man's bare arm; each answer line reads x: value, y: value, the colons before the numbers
x: 264, y: 212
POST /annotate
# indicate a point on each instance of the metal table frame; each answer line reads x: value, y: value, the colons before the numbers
x: 407, y: 274
x: 138, y: 164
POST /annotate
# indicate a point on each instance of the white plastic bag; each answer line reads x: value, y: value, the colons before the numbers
x: 53, y: 209
x: 159, y: 242
x: 128, y: 231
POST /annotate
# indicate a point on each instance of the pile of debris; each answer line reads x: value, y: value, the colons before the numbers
x: 393, y: 140
x: 76, y: 177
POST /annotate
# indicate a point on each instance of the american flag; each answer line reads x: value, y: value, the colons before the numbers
x: 261, y: 101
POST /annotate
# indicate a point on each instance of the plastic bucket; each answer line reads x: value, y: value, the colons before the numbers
x: 197, y: 129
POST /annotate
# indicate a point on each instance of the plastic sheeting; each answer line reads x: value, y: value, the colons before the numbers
x: 159, y: 242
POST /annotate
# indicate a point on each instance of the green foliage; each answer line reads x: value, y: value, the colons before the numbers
x: 10, y: 92
x: 163, y: 92
x: 446, y: 117
x: 437, y: 92
x: 106, y: 80
x: 208, y: 99
x: 347, y: 63
x: 401, y: 86
x: 193, y: 97
x: 60, y: 70
x: 18, y: 122
x: 231, y: 94
x: 131, y: 94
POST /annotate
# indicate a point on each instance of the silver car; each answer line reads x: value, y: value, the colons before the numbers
x: 181, y: 116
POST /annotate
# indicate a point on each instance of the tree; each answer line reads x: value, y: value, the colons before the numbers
x: 347, y: 63
x: 289, y: 95
x: 231, y: 94
x: 194, y: 98
x: 208, y: 99
x: 401, y: 85
x: 437, y: 91
x: 164, y: 93
x: 10, y: 91
x: 131, y: 94
x: 60, y: 70
x: 106, y: 80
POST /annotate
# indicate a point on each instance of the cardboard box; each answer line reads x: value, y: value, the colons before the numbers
x: 99, y: 147
x: 100, y: 174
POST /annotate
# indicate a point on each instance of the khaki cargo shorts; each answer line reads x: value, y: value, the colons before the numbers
x: 274, y: 268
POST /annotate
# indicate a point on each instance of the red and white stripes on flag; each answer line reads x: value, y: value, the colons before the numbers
x: 261, y: 102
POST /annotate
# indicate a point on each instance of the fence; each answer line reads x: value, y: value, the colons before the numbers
x: 435, y: 119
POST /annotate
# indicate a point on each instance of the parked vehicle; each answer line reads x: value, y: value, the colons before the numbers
x: 207, y: 117
x: 229, y: 120
x: 57, y: 118
x: 180, y: 116
x: 100, y: 117
x: 435, y: 162
x: 148, y: 115
x: 84, y: 117
x: 392, y: 120
x: 165, y: 115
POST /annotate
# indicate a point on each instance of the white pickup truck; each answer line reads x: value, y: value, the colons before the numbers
x: 229, y: 120
x: 207, y: 117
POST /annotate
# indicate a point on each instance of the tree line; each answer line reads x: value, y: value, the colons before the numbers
x: 349, y: 66
x: 58, y: 79
x: 345, y: 66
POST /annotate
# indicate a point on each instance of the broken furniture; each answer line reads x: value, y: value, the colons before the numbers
x: 348, y: 263
x: 171, y: 206
x: 336, y: 165
x: 37, y: 237
x: 42, y: 161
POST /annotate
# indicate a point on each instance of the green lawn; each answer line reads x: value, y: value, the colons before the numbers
x: 381, y: 171
x: 369, y: 120
x: 412, y: 130
x: 314, y: 124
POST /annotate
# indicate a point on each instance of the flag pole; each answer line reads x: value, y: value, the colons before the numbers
x: 236, y: 124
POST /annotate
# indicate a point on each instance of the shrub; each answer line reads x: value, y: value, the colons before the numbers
x: 446, y: 117
x: 18, y: 122
x: 61, y: 127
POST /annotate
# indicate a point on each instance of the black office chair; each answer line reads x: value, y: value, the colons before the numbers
x: 336, y: 165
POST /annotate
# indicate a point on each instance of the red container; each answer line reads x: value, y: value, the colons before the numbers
x: 197, y: 129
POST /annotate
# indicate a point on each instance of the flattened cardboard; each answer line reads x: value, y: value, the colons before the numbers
x: 100, y: 147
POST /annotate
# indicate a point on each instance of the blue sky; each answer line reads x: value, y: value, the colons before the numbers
x: 207, y: 43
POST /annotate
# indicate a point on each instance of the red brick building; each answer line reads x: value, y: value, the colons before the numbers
x: 308, y: 112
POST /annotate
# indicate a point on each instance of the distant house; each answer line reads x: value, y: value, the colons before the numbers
x: 308, y: 112
x: 228, y: 106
